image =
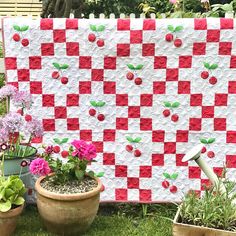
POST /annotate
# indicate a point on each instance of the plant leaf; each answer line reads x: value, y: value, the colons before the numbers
x: 64, y: 66
x: 24, y: 28
x: 139, y: 67
x: 100, y: 174
x: 131, y: 67
x: 129, y: 139
x: 101, y: 104
x: 166, y: 175
x: 211, y: 140
x: 93, y: 27
x: 57, y: 140
x: 91, y: 174
x: 64, y: 140
x: 56, y: 65
x: 19, y: 201
x: 174, y: 176
x: 137, y: 140
x: 167, y: 104
x: 175, y: 104
x: 178, y: 28
x: 206, y: 65
x: 202, y: 140
x: 16, y: 27
x: 5, y: 206
x: 79, y: 174
x: 171, y: 28
x: 213, y: 66
x: 93, y: 103
x: 101, y: 28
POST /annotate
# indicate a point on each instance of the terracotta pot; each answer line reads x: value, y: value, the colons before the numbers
x: 67, y: 214
x: 8, y: 221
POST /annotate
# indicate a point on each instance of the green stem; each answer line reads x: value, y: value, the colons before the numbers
x: 8, y: 104
x: 27, y: 146
x: 2, y: 164
x: 183, y: 6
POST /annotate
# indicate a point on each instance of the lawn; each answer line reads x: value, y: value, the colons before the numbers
x: 113, y: 219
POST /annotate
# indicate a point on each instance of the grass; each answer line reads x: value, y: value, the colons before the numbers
x: 112, y: 219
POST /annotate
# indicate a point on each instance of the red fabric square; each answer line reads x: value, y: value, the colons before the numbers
x: 172, y: 74
x: 35, y: 62
x: 145, y: 171
x: 134, y: 112
x: 200, y: 24
x: 158, y: 159
x: 121, y: 171
x: 47, y: 49
x: 149, y: 24
x: 226, y: 23
x: 233, y: 62
x: 160, y: 62
x: 220, y: 124
x: 49, y: 124
x: 123, y: 24
x: 231, y: 161
x: 159, y: 87
x: 232, y: 87
x: 15, y: 84
x: 123, y: 49
x: 225, y: 48
x: 60, y: 112
x: 97, y: 74
x: 85, y: 62
x: 196, y: 100
x: 72, y: 49
x: 133, y: 183
x: 195, y: 124
x: 85, y: 87
x: 158, y: 136
x: 145, y: 124
x: 108, y: 158
x: 221, y: 99
x: 182, y: 136
x: 136, y: 36
x: 110, y: 63
x: 178, y: 160
x: 72, y: 100
x: 46, y: 24
x: 37, y: 140
x: 109, y: 135
x: 145, y: 195
x: 185, y: 61
x: 146, y: 100
x: 213, y: 35
x: 59, y: 36
x: 48, y: 100
x: 231, y: 137
x: 169, y: 147
x: 148, y: 49
x: 194, y: 172
x: 122, y: 123
x: 121, y: 99
x: 36, y: 87
x: 71, y: 23
x: 10, y: 63
x: 86, y: 135
x: 208, y: 112
x: 99, y: 146
x: 23, y: 75
x: 109, y: 87
x: 73, y: 123
x: 121, y: 194
x: 199, y: 48
x: 184, y: 87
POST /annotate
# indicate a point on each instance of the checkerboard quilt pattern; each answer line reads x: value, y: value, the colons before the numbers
x: 161, y: 86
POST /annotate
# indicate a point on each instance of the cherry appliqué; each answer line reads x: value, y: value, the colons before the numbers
x: 208, y: 73
x: 59, y: 71
x: 170, y: 37
x: 168, y: 182
x: 19, y: 36
x: 169, y: 110
x: 206, y: 149
x: 95, y: 110
x: 132, y: 146
x: 95, y: 36
x: 133, y: 74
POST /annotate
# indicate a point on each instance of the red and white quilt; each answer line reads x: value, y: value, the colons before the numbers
x: 143, y: 91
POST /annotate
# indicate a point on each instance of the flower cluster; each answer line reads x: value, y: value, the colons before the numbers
x: 7, y: 91
x: 40, y: 167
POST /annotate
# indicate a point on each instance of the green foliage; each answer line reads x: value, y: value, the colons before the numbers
x: 12, y: 190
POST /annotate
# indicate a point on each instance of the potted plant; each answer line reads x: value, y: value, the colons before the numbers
x: 67, y: 194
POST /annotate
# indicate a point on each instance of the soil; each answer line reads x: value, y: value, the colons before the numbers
x: 71, y: 187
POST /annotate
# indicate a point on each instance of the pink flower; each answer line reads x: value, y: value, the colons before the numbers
x: 22, y: 99
x: 173, y: 1
x: 34, y: 128
x: 49, y: 149
x: 7, y: 91
x: 91, y: 152
x: 39, y: 167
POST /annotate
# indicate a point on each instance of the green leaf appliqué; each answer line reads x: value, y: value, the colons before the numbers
x: 166, y: 175
x: 137, y: 140
x: 16, y: 27
x: 100, y: 174
x: 129, y: 139
x: 211, y: 140
x: 64, y: 140
x: 167, y: 104
x: 93, y: 27
x: 101, y: 104
x: 24, y: 28
x: 175, y: 104
x: 64, y: 66
x: 101, y: 28
x: 171, y: 28
x: 213, y: 66
x: 57, y: 140
x: 139, y: 67
x: 178, y: 28
x: 204, y: 141
x: 174, y: 176
x: 93, y: 103
x: 206, y: 65
x: 131, y: 67
x: 56, y: 65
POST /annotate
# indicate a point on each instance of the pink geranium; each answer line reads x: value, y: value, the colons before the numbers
x: 39, y: 167
x: 173, y: 1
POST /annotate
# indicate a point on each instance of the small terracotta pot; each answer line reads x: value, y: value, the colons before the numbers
x: 67, y: 214
x: 8, y: 221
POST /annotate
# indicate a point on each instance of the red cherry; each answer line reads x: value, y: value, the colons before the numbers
x: 100, y: 43
x: 28, y: 118
x: 102, y: 188
x: 101, y: 117
x: 55, y: 75
x: 138, y: 81
x: 173, y: 189
x: 20, y: 111
x: 166, y: 112
x: 204, y: 149
x: 174, y: 117
x: 91, y: 37
x: 169, y: 37
x: 137, y: 153
x: 64, y: 80
x: 56, y: 149
x: 165, y: 184
x: 129, y: 75
x: 204, y: 74
x: 64, y: 154
x: 213, y: 80
x: 92, y: 112
x: 16, y: 37
x: 129, y: 148
x: 25, y: 42
x: 211, y: 154
x: 178, y: 43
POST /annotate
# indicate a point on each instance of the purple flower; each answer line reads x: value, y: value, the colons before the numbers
x: 12, y: 122
x: 22, y: 99
x: 7, y: 91
x: 34, y: 128
x: 49, y: 149
x: 39, y: 167
x: 4, y: 135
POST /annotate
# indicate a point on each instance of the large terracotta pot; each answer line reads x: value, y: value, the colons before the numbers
x: 8, y: 221
x: 67, y: 214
